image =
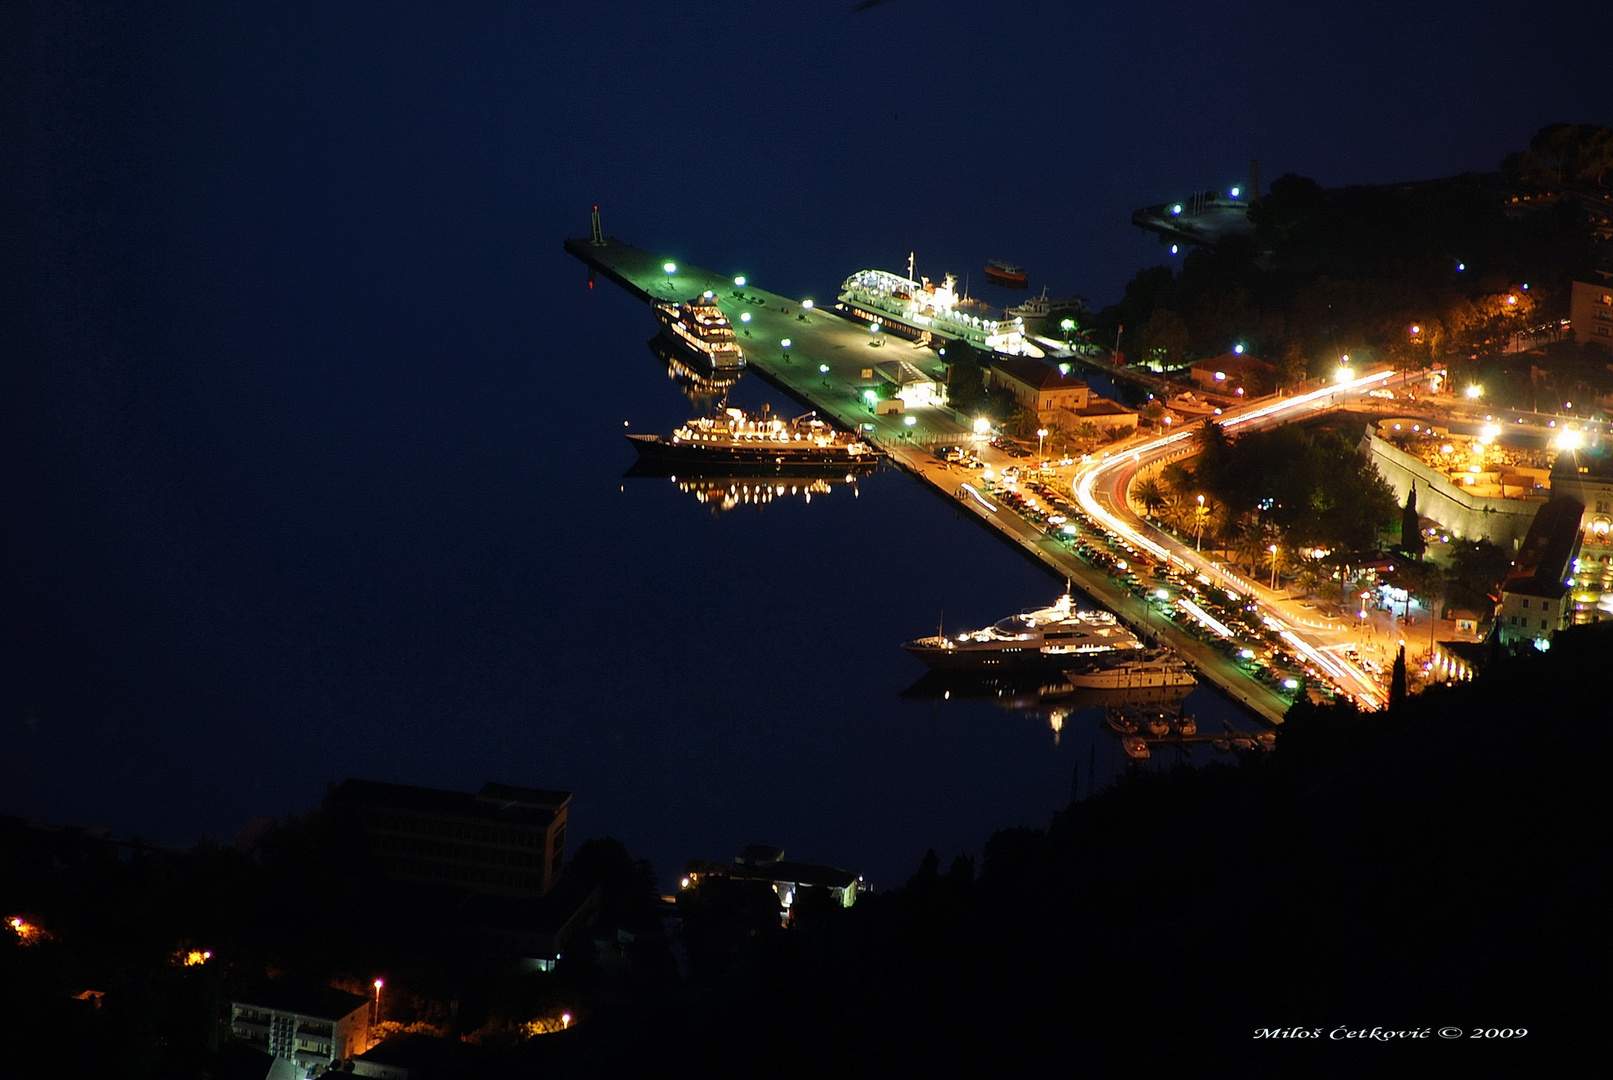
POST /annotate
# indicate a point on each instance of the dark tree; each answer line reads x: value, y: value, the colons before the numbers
x: 1411, y: 531
x: 1397, y: 681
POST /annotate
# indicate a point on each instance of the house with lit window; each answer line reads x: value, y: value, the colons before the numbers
x: 1535, y: 598
x: 1234, y: 374
x: 309, y: 1028
x: 500, y: 841
x: 1590, y: 313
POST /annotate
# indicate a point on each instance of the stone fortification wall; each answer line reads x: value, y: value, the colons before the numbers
x: 1500, y: 521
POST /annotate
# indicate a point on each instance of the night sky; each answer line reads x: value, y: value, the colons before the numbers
x: 311, y: 435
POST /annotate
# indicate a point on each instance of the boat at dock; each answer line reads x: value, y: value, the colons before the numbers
x: 1143, y: 668
x: 1040, y: 307
x: 703, y: 331
x: 1059, y: 636
x: 1120, y: 721
x: 732, y: 440
x: 916, y: 308
x: 1136, y: 748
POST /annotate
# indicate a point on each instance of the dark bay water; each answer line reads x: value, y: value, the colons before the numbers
x: 312, y: 436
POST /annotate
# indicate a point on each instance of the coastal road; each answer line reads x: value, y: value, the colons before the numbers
x: 828, y: 365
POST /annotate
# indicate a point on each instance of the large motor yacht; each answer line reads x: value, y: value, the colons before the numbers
x: 1136, y: 670
x: 1061, y: 636
x: 732, y: 440
x: 702, y: 329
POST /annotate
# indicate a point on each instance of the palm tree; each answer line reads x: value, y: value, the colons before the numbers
x: 1088, y: 432
x: 1249, y: 543
x: 1177, y: 478
x: 1276, y: 560
x: 1309, y: 574
x: 1150, y: 493
x: 1180, y: 512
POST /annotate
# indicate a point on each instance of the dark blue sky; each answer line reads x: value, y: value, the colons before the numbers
x: 310, y: 435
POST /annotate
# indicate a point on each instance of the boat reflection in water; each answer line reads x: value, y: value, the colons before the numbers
x: 1054, y: 700
x: 758, y: 489
x: 705, y: 387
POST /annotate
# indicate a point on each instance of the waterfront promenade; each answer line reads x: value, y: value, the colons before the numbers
x: 828, y: 364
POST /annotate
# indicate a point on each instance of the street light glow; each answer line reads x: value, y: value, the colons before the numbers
x: 671, y: 268
x: 806, y: 305
x: 982, y: 425
x: 1475, y: 392
x: 744, y: 316
x: 1343, y: 374
x: 740, y: 281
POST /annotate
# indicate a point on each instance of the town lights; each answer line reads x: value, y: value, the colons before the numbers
x: 1569, y: 440
x: 1344, y: 374
x: 739, y: 282
x: 1415, y: 329
x: 744, y: 316
x: 1235, y: 192
x: 806, y: 305
x: 565, y: 1021
x: 1475, y: 392
x: 671, y: 268
x: 982, y: 426
x: 1176, y: 209
x: 1238, y: 349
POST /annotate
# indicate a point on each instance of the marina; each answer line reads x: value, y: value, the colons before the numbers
x: 828, y: 363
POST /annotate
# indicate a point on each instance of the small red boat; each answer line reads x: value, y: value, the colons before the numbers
x: 1002, y: 273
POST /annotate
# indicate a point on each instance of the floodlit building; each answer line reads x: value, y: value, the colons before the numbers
x: 761, y: 866
x: 501, y: 841
x: 312, y: 1028
x: 1590, y: 312
x: 1058, y: 398
x: 1535, y: 595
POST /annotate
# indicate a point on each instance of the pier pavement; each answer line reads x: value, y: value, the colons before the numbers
x: 820, y: 340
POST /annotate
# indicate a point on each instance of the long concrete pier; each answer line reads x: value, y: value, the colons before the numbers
x: 827, y: 361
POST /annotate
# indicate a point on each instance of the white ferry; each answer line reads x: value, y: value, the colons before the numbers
x: 922, y: 311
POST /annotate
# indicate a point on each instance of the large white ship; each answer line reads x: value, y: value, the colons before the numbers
x: 704, y: 331
x: 1058, y: 637
x: 922, y: 310
x: 1134, y: 671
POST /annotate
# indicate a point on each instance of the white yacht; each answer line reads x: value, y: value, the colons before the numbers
x: 701, y: 328
x: 1058, y: 637
x: 1136, y: 670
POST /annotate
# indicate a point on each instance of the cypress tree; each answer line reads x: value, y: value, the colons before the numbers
x: 1411, y: 533
x: 1397, y: 681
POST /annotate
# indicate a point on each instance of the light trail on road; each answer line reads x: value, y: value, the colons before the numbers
x: 1347, y: 676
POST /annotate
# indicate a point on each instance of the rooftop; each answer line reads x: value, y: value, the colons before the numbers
x: 1548, y: 548
x: 317, y: 1002
x: 495, y: 802
x: 1034, y: 373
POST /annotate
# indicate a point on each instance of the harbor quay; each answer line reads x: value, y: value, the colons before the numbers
x: 828, y: 362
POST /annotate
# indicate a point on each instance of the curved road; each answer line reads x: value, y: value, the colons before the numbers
x: 1100, y: 488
